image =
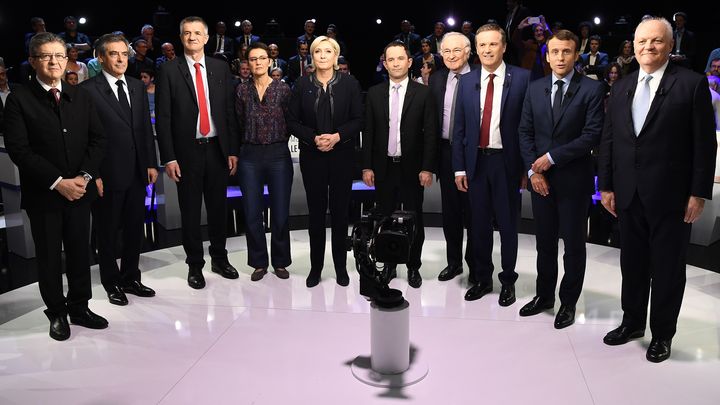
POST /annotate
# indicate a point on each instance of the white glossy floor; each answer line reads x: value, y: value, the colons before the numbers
x: 277, y: 342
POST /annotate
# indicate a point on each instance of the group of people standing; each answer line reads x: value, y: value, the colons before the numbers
x: 485, y: 130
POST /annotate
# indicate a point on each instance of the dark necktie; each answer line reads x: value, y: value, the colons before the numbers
x: 557, y: 101
x: 487, y: 113
x: 123, y: 100
x: 56, y: 95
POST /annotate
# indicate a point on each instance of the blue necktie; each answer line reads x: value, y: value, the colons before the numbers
x: 641, y: 105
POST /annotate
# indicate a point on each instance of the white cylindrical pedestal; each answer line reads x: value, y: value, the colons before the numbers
x: 389, y: 364
x: 390, y: 338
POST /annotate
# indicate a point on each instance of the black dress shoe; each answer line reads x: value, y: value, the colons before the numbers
x: 195, y: 278
x: 341, y: 277
x: 117, y: 296
x: 565, y: 316
x: 449, y: 273
x: 87, y: 318
x: 507, y: 295
x: 135, y: 287
x: 224, y: 268
x: 622, y: 334
x: 659, y: 350
x: 313, y: 278
x: 478, y: 291
x: 414, y: 278
x: 281, y: 272
x: 59, y: 327
x: 536, y: 306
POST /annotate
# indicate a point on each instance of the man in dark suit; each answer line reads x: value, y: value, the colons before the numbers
x: 399, y: 146
x: 683, y: 52
x: 276, y: 61
x: 220, y: 45
x: 297, y: 64
x: 309, y: 35
x: 130, y: 163
x: 54, y: 136
x: 409, y: 38
x: 655, y: 171
x: 455, y: 50
x: 594, y: 62
x: 5, y: 89
x: 561, y: 122
x: 486, y: 158
x: 247, y: 37
x: 197, y: 133
x: 436, y: 37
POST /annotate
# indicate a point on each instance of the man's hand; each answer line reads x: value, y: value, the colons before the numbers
x: 72, y: 189
x: 172, y: 169
x: 322, y: 143
x: 540, y: 184
x: 99, y: 186
x: 608, y: 201
x: 694, y: 209
x: 331, y: 140
x: 425, y: 178
x: 152, y: 175
x: 368, y: 177
x: 232, y: 164
x: 461, y: 183
x: 542, y: 164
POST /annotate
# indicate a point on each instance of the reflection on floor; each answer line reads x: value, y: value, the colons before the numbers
x: 275, y: 341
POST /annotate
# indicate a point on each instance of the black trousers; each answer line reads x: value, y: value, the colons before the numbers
x: 455, y: 212
x: 204, y: 176
x: 398, y: 187
x: 68, y: 227
x: 327, y: 177
x: 560, y: 216
x: 120, y: 215
x: 652, y: 256
x: 494, y: 195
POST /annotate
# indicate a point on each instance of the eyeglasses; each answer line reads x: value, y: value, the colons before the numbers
x: 44, y: 57
x: 259, y: 58
x: 455, y: 51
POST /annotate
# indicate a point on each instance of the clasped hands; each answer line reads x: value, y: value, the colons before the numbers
x: 326, y: 142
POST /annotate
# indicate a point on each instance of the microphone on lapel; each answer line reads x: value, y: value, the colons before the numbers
x: 631, y: 93
x: 661, y: 92
x: 568, y: 94
x: 547, y: 91
x: 477, y: 86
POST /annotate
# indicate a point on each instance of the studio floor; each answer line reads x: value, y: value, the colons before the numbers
x: 277, y: 342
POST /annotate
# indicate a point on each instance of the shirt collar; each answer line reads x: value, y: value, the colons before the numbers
x: 657, y: 73
x: 112, y: 79
x: 499, y: 72
x: 47, y: 87
x: 565, y: 79
x: 191, y: 62
x: 403, y: 83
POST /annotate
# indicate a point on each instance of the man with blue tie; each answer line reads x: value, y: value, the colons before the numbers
x: 656, y: 166
x: 561, y: 123
x: 486, y: 159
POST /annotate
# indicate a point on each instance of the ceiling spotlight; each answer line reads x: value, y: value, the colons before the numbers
x: 378, y: 21
x: 237, y: 23
x: 596, y: 20
x: 82, y: 20
x: 451, y: 21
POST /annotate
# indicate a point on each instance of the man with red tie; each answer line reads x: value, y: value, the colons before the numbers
x: 196, y: 130
x: 486, y: 158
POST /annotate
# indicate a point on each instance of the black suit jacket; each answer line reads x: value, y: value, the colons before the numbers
x: 129, y: 143
x: 674, y: 155
x: 47, y: 141
x: 293, y: 68
x: 570, y: 139
x: 176, y: 109
x: 418, y: 130
x: 412, y: 42
x: 228, y: 48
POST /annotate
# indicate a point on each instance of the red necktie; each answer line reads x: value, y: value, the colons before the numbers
x: 202, y: 103
x: 487, y: 114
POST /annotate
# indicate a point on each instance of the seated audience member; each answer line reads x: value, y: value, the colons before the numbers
x: 594, y: 62
x: 72, y: 77
x: 343, y: 65
x: 148, y: 78
x: 275, y: 60
x: 140, y: 60
x: 425, y: 72
x: 147, y: 32
x: 714, y: 68
x: 715, y: 54
x: 76, y: 39
x: 626, y: 58
x: 532, y: 51
x: 426, y: 56
x: 714, y: 83
x: 277, y: 74
x: 168, y: 54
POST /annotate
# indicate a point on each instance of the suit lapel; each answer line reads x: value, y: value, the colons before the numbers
x: 632, y: 81
x: 570, y: 95
x: 477, y: 85
x: 409, y: 94
x: 185, y: 73
x: 506, y: 88
x: 664, y: 87
x: 104, y: 89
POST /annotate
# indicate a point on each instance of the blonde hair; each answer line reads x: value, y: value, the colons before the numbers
x: 333, y: 44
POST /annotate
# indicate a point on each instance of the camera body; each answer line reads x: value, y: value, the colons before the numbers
x: 394, y: 238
